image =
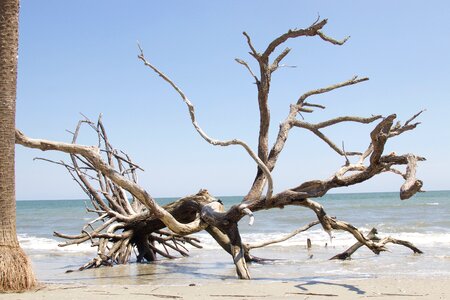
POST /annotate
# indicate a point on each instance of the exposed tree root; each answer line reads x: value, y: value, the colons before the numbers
x: 16, y: 273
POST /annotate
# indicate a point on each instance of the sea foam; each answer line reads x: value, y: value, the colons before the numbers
x: 317, y: 236
x: 50, y: 245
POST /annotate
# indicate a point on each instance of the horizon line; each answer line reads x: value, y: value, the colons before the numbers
x: 178, y: 197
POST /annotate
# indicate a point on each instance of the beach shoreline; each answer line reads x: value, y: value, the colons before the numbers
x: 409, y: 287
x: 297, y: 272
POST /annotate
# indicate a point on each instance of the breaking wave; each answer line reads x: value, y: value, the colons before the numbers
x: 50, y: 245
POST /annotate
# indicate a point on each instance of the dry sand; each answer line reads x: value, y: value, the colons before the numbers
x: 373, y: 288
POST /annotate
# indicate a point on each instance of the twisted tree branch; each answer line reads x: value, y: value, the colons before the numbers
x: 211, y: 141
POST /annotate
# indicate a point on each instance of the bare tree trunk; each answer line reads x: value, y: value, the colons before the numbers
x: 15, y: 268
x: 238, y: 252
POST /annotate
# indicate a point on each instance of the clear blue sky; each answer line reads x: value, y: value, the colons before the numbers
x: 81, y: 56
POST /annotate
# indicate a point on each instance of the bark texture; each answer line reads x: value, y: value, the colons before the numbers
x: 15, y: 269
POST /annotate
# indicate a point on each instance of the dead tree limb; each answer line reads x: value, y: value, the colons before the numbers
x: 372, y: 235
x: 281, y: 239
x: 92, y: 154
x: 350, y: 173
x: 411, y: 185
x: 348, y: 253
x: 214, y: 142
x: 128, y: 218
x: 123, y: 221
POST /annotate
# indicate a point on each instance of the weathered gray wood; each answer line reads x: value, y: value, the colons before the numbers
x: 372, y: 235
x: 131, y: 217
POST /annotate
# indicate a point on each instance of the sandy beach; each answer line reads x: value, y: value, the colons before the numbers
x: 297, y: 273
x: 377, y: 288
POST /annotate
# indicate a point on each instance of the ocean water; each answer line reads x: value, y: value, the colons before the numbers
x: 423, y: 220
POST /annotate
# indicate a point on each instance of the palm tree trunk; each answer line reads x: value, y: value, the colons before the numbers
x: 15, y: 269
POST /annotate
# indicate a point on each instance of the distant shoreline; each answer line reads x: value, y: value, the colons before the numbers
x: 177, y: 197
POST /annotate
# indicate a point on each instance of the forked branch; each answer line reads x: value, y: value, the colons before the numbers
x: 266, y: 70
x: 92, y: 154
x: 211, y: 141
x: 373, y: 237
x: 291, y: 121
x: 312, y: 30
x: 351, y: 81
x: 314, y: 128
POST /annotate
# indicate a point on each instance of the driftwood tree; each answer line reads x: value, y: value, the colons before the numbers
x: 127, y: 217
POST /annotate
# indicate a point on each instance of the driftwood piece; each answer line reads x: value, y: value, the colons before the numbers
x: 122, y: 220
x: 347, y: 253
x: 350, y: 173
x: 372, y: 235
x: 127, y: 218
